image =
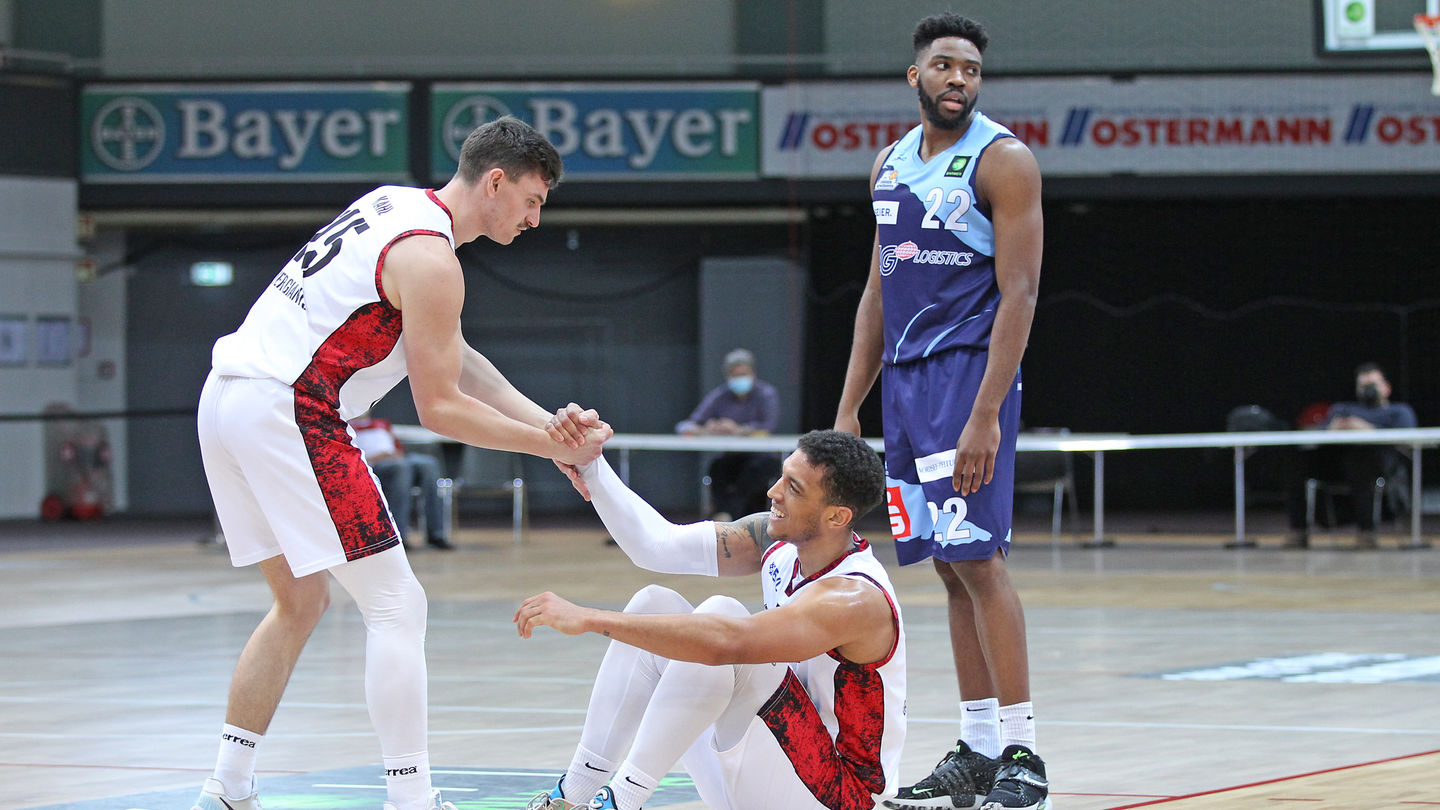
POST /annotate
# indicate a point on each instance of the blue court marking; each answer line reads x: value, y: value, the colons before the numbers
x: 356, y: 788
x: 1324, y: 667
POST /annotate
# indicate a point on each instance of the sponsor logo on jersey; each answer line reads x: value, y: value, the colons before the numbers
x: 887, y: 212
x: 383, y: 205
x: 889, y: 179
x: 899, y: 518
x: 957, y: 166
x: 936, y: 466
x: 892, y: 255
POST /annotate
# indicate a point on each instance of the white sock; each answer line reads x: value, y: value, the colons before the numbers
x: 407, y: 781
x: 1017, y: 725
x: 587, y: 772
x: 632, y: 788
x: 980, y: 725
x: 235, y: 766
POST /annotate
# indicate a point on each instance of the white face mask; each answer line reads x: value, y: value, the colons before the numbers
x: 740, y: 386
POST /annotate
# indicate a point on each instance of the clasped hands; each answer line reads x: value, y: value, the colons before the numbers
x: 584, y: 433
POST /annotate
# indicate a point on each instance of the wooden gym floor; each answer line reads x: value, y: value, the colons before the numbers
x: 1167, y: 671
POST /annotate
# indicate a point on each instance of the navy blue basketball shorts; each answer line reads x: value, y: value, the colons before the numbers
x: 926, y: 404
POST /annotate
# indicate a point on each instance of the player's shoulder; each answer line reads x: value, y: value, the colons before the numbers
x: 880, y: 158
x: 1008, y: 148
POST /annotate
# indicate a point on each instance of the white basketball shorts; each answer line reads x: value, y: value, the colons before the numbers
x: 278, y: 488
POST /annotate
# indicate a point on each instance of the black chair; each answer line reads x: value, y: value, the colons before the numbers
x: 1392, y: 495
x: 1048, y: 472
x: 493, y: 474
x: 1262, y: 478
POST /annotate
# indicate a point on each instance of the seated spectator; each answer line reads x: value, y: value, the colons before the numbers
x: 399, y: 473
x: 743, y: 406
x: 1356, y: 465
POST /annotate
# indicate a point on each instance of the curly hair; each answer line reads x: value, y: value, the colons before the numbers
x: 949, y: 24
x: 853, y: 477
x: 512, y: 145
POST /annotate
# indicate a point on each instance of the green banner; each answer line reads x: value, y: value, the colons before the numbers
x: 265, y: 133
x: 615, y: 131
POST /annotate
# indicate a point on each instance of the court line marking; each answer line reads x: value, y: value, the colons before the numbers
x: 288, y: 704
x: 1277, y: 780
x: 89, y: 766
x: 299, y: 735
x: 382, y: 787
x: 1202, y: 726
x: 302, y: 735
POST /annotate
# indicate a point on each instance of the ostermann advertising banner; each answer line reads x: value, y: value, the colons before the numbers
x: 270, y: 133
x: 1150, y: 126
x: 707, y: 131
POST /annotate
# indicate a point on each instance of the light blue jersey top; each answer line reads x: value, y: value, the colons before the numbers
x: 937, y: 246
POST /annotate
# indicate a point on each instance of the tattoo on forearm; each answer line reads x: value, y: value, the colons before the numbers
x: 724, y: 534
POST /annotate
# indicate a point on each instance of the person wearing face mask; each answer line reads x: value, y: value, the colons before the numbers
x: 743, y: 406
x: 1356, y: 465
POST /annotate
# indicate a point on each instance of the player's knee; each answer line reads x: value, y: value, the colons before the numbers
x: 977, y: 576
x: 399, y: 605
x: 405, y: 607
x: 723, y: 606
x: 304, y: 604
x: 657, y: 599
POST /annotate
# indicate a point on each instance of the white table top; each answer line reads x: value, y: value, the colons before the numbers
x: 1027, y: 442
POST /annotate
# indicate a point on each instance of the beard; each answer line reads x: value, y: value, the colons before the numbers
x: 938, y: 117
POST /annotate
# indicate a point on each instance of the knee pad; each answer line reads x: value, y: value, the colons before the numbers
x: 386, y: 591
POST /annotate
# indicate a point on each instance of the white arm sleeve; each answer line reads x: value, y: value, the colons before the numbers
x: 646, y: 537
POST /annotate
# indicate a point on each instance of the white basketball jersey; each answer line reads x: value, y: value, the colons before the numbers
x: 862, y: 705
x: 324, y: 325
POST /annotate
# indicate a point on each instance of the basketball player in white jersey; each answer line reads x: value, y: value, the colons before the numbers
x: 373, y: 297
x: 800, y: 706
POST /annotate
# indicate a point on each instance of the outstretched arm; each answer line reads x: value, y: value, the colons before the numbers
x: 422, y: 278
x: 846, y: 614
x: 656, y: 544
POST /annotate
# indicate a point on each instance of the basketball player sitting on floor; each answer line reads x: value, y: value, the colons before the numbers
x: 798, y: 706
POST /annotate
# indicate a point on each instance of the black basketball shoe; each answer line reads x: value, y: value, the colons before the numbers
x: 1019, y: 783
x: 960, y: 781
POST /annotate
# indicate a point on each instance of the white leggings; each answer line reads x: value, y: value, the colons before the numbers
x: 394, y: 608
x: 655, y: 710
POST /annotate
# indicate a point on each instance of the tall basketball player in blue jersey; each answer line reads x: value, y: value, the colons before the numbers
x: 943, y: 321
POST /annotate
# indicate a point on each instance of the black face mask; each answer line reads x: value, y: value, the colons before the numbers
x: 1370, y: 395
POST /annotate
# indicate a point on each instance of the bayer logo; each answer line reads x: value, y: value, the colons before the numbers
x: 127, y: 133
x: 464, y: 116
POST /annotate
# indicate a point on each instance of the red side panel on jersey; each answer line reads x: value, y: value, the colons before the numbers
x: 797, y: 727
x: 860, y: 714
x: 355, y: 503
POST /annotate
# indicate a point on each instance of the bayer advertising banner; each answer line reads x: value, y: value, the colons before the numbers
x: 1149, y: 126
x: 615, y: 131
x: 270, y: 133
